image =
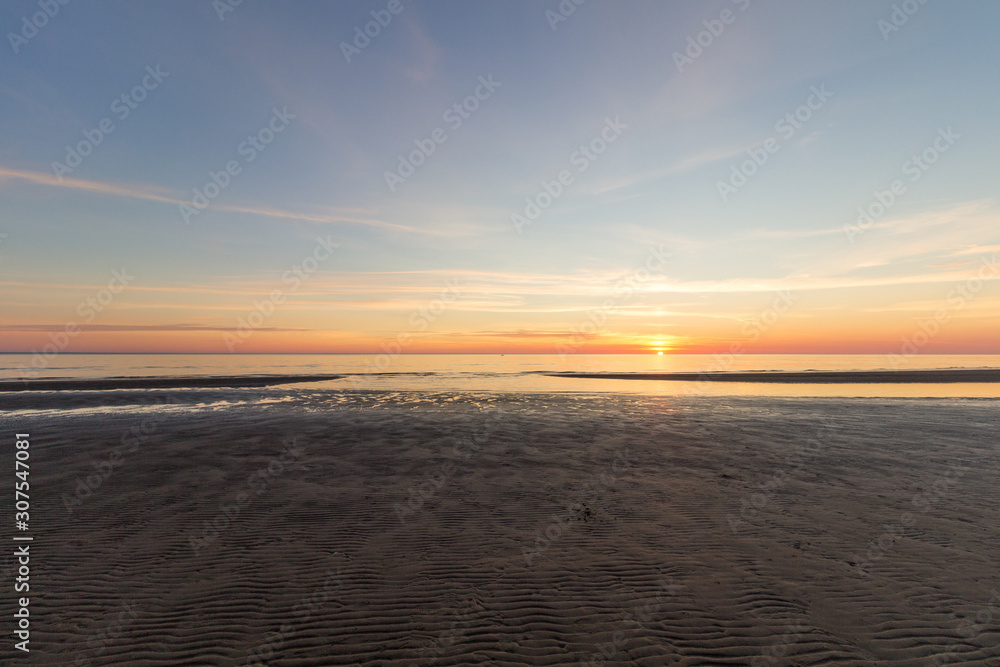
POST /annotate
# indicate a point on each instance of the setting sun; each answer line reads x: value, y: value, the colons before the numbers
x: 659, y: 346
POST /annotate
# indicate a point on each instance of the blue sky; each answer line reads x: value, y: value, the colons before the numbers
x: 655, y: 185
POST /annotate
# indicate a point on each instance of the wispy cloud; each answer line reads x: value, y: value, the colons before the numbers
x: 163, y: 195
x: 523, y: 334
x: 927, y: 237
x: 42, y: 328
x: 424, y: 54
x: 270, y: 212
x: 792, y: 233
x: 379, y: 289
x: 680, y: 166
x: 132, y: 191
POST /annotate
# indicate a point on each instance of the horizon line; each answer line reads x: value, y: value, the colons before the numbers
x: 575, y: 354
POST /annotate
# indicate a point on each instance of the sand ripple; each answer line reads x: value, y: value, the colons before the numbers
x: 400, y: 529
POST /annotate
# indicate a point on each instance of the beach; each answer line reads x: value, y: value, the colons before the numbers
x: 108, y: 384
x: 514, y: 334
x: 924, y: 376
x: 332, y: 526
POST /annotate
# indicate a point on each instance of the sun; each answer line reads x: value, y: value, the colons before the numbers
x: 659, y: 346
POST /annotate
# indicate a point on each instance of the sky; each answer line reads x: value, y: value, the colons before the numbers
x: 505, y: 176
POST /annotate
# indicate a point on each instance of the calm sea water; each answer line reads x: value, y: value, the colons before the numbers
x: 472, y: 372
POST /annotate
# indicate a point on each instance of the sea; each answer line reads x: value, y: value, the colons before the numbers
x: 526, y: 373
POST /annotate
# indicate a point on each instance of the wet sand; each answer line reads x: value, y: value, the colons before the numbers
x: 105, y: 384
x: 809, y: 377
x: 445, y: 529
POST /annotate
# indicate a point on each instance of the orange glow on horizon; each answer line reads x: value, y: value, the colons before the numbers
x: 301, y: 332
x: 313, y: 342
